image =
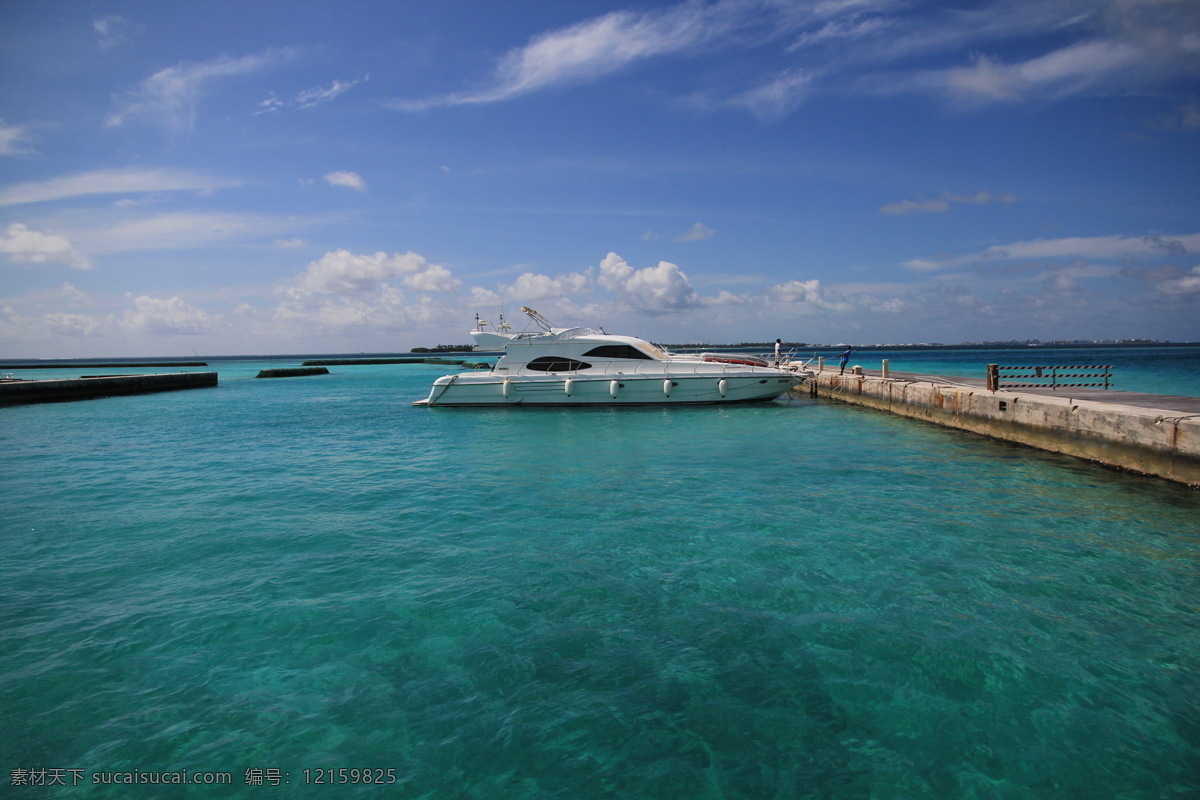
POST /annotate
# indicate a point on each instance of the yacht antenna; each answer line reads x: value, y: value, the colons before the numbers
x: 541, y: 321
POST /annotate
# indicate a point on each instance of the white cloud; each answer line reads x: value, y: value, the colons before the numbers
x: 806, y: 296
x: 115, y: 181
x: 1071, y: 70
x: 664, y: 287
x: 351, y: 180
x: 614, y: 272
x: 22, y: 245
x: 595, y: 48
x: 1100, y: 247
x: 1186, y: 285
x: 853, y: 27
x: 943, y: 203
x: 696, y: 233
x: 167, y: 317
x: 14, y: 140
x: 318, y: 95
x: 1112, y: 45
x: 343, y: 272
x: 530, y: 287
x: 169, y: 97
x: 308, y: 98
x: 113, y: 30
x: 178, y: 231
x: 290, y: 244
x: 89, y: 326
x: 270, y: 105
x: 778, y: 97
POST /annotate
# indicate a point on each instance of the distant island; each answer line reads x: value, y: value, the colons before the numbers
x: 444, y: 348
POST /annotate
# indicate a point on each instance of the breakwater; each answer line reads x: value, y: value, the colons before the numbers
x: 1150, y: 434
x: 447, y: 362
x: 21, y: 392
x: 101, y: 364
x: 291, y: 372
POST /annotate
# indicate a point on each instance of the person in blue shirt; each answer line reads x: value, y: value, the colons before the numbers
x: 845, y: 358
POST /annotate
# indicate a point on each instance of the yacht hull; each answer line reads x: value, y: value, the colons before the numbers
x: 468, y: 389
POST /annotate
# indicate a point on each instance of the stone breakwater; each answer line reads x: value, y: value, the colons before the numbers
x: 1124, y: 429
x: 17, y: 392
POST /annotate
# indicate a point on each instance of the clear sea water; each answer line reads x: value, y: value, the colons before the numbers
x: 796, y: 599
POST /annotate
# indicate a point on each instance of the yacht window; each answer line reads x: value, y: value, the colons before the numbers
x: 557, y: 364
x: 617, y: 351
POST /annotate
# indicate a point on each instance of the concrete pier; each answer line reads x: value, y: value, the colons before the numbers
x: 21, y: 392
x: 1151, y: 434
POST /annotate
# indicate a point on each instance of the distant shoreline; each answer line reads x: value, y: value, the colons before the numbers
x: 182, y: 361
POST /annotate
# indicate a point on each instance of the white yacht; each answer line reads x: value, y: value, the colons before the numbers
x: 576, y: 366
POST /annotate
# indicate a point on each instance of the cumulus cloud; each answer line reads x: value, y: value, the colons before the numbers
x: 806, y: 297
x: 660, y: 288
x: 530, y: 286
x: 22, y: 245
x: 351, y: 180
x: 343, y: 272
x: 91, y: 326
x: 169, y: 97
x: 168, y: 317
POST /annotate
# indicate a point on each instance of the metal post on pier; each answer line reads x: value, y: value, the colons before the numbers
x: 993, y: 377
x: 887, y: 368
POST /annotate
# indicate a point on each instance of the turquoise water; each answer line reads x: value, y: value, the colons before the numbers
x: 795, y: 599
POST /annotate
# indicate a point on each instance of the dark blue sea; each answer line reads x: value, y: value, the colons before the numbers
x: 306, y: 587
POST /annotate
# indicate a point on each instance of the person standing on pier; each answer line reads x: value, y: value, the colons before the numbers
x: 845, y: 358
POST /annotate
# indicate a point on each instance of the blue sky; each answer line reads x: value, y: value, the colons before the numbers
x: 285, y: 177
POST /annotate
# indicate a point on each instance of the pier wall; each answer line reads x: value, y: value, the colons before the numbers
x: 51, y: 391
x: 1146, y: 440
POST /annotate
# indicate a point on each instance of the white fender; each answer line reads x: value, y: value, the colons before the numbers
x: 506, y: 388
x: 667, y: 387
x: 722, y: 385
x: 568, y: 385
x: 613, y: 388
